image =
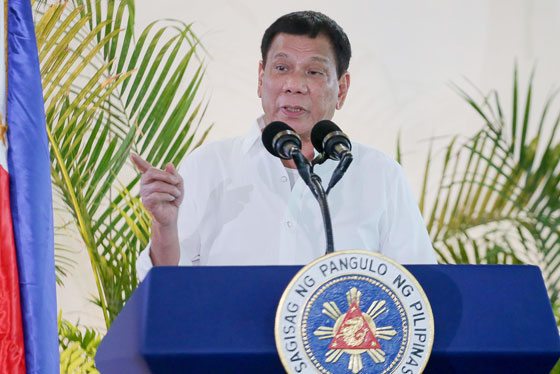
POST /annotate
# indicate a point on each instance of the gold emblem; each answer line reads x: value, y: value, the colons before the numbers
x: 3, y: 131
x: 354, y: 312
x: 355, y: 332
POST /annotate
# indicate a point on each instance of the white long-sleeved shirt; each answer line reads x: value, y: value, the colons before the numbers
x: 240, y: 209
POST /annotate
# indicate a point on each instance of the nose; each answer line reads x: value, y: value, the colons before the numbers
x: 296, y: 83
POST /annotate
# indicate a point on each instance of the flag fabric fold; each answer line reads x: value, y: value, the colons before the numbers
x: 12, y: 357
x: 30, y: 194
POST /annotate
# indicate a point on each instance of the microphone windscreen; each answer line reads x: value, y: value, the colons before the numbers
x: 320, y: 131
x: 270, y: 131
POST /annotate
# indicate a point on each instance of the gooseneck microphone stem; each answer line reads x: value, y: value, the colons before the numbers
x: 324, y: 206
x: 313, y: 181
x: 304, y: 169
x: 282, y: 141
x: 345, y: 161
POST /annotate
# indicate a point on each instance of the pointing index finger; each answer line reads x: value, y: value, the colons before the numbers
x: 141, y: 164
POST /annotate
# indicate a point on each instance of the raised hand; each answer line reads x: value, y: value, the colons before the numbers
x: 162, y: 193
x: 161, y: 190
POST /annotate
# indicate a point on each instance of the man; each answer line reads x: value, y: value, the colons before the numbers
x: 232, y: 203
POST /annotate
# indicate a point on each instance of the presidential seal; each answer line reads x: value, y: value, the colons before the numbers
x: 354, y: 312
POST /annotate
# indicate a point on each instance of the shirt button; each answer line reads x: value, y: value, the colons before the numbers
x: 289, y: 224
x: 284, y: 179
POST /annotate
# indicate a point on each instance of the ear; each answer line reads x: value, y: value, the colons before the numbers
x: 343, y: 86
x: 261, y: 73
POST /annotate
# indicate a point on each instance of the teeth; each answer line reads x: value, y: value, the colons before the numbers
x: 293, y: 109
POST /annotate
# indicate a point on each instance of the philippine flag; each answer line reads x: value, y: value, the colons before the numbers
x: 28, y: 331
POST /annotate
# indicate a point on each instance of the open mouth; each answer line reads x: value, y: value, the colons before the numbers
x: 293, y: 109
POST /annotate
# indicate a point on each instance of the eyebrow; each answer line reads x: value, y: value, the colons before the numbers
x: 280, y: 55
x: 320, y: 59
x: 314, y: 58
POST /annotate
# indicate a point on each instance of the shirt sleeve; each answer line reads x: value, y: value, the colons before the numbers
x: 187, y: 223
x: 405, y: 238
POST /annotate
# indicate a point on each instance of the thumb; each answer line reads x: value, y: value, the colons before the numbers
x: 170, y: 168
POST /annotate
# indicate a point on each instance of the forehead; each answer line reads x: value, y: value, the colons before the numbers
x: 301, y: 47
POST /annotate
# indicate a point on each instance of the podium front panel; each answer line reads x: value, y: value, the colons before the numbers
x: 221, y: 319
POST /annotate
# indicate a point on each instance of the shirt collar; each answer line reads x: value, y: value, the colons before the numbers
x: 253, y: 136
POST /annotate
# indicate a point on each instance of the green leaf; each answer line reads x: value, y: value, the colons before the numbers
x: 107, y: 92
x: 498, y: 198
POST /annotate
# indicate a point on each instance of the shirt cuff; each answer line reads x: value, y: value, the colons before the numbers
x: 144, y: 262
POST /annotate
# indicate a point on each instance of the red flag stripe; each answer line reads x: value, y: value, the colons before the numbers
x: 12, y: 356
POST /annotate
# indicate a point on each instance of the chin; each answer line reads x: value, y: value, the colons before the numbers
x: 300, y: 126
x: 302, y: 130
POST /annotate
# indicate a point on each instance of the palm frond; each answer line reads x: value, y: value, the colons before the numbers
x: 498, y: 197
x: 78, y: 346
x: 106, y: 93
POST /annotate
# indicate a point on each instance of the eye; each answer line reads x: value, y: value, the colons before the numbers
x: 280, y: 68
x: 315, y: 72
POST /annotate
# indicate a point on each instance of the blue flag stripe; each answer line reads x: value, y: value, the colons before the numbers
x: 31, y: 195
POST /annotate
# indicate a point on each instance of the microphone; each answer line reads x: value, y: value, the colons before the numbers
x: 281, y: 140
x: 329, y: 139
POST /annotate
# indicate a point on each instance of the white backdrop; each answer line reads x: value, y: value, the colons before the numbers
x: 405, y: 55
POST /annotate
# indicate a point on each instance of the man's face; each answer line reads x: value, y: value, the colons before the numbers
x: 299, y: 85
